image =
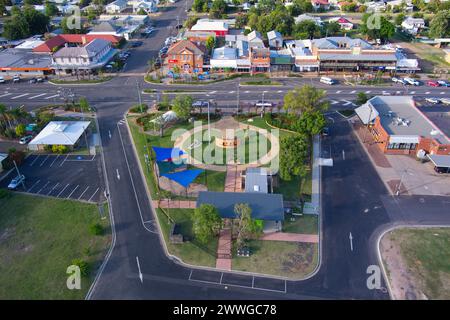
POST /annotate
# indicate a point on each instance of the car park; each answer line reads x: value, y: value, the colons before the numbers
x: 16, y: 182
x: 25, y: 139
x: 432, y: 100
x: 432, y: 83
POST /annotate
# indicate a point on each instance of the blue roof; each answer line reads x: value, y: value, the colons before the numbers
x: 167, y: 154
x: 184, y: 178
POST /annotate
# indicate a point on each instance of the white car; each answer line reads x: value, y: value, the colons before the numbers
x: 445, y: 101
x: 432, y: 100
x: 263, y: 104
x: 398, y: 80
x: 16, y: 79
x: 16, y: 182
x: 443, y: 83
x: 2, y: 80
x: 25, y: 139
x: 411, y: 81
x: 199, y: 103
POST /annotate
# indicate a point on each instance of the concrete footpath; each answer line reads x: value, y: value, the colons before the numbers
x: 313, y: 206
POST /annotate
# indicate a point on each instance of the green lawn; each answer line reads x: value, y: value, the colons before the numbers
x: 190, y: 251
x: 427, y: 255
x: 291, y: 190
x: 306, y: 224
x: 287, y: 259
x: 215, y: 180
x: 39, y: 238
x: 266, y: 82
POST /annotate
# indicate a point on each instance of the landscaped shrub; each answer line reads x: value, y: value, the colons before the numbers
x: 5, y: 194
x: 10, y: 133
x: 83, y: 265
x: 58, y: 148
x: 96, y: 229
x: 139, y: 108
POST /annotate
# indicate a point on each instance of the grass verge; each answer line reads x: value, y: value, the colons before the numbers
x: 39, y: 238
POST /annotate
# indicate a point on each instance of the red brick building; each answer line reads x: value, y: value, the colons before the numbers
x: 187, y: 55
x: 399, y: 127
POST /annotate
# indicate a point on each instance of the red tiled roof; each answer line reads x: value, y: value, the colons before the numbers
x: 343, y: 20
x: 323, y: 2
x: 61, y: 39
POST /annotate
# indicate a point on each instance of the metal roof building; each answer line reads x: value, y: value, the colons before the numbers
x: 59, y: 133
x: 256, y: 180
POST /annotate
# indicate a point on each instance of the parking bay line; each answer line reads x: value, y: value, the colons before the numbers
x: 38, y: 95
x: 63, y: 190
x: 56, y: 95
x: 64, y: 160
x: 95, y: 192
x: 57, y: 184
x: 6, y: 94
x: 42, y: 163
x: 83, y: 192
x: 36, y: 183
x: 72, y: 191
x: 43, y: 187
x: 31, y: 164
x: 54, y: 160
x: 20, y: 96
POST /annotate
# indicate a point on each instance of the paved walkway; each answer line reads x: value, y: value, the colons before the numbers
x: 223, y: 260
x: 174, y: 204
x: 371, y: 146
x: 291, y: 237
x: 314, y: 206
x: 233, y: 179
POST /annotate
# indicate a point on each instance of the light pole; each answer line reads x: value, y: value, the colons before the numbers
x: 397, y: 192
x: 139, y: 95
x: 209, y: 125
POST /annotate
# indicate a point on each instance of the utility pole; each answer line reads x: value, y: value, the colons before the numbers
x: 18, y: 174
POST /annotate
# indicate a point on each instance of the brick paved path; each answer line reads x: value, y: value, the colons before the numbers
x: 233, y: 180
x: 174, y: 204
x: 223, y: 260
x: 291, y: 237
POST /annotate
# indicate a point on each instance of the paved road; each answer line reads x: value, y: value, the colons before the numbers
x: 354, y: 199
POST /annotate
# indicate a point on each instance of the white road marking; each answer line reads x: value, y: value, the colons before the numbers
x: 62, y: 190
x: 368, y: 91
x: 247, y: 91
x: 56, y: 95
x: 5, y: 95
x: 31, y: 164
x: 412, y: 92
x: 339, y: 91
x: 20, y: 96
x: 442, y: 92
x: 117, y: 174
x: 353, y: 91
x: 139, y: 268
x: 343, y: 154
x: 398, y: 92
x: 334, y: 101
x: 83, y: 192
x: 93, y: 194
x: 231, y: 91
x: 109, y: 134
x: 39, y: 95
x: 36, y: 183
x: 72, y: 192
x: 212, y: 92
x: 53, y: 188
x: 428, y: 92
x: 351, y: 241
x: 64, y: 160
x: 42, y: 163
x: 43, y: 187
x: 54, y: 160
x: 280, y: 91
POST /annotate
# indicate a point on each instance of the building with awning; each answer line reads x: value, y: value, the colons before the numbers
x: 441, y: 162
x: 399, y: 127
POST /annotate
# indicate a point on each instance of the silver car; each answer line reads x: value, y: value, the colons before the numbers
x: 16, y: 182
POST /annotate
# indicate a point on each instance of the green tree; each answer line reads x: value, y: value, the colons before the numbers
x: 142, y: 12
x: 440, y: 25
x: 182, y: 105
x: 210, y: 43
x: 399, y: 19
x: 241, y: 21
x: 20, y: 130
x: 310, y: 123
x: 246, y: 227
x: 332, y: 28
x: 51, y: 9
x: 206, y: 222
x: 361, y: 98
x: 294, y: 150
x: 384, y: 30
x: 84, y: 104
x: 218, y: 8
x: 306, y: 30
x: 305, y: 99
x: 83, y: 265
x: 198, y: 5
x: 190, y: 22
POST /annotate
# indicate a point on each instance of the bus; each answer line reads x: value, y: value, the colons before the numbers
x: 327, y: 80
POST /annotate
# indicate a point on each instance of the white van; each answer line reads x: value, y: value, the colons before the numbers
x: 327, y: 80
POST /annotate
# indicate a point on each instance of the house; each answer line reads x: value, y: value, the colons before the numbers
x: 304, y: 60
x: 307, y: 17
x: 66, y: 133
x: 111, y: 28
x: 116, y: 6
x: 255, y: 40
x: 275, y: 39
x: 257, y: 180
x: 219, y: 27
x: 91, y: 56
x: 373, y: 6
x: 344, y: 23
x: 228, y: 58
x: 413, y: 25
x: 259, y: 59
x: 187, y: 56
x: 53, y: 44
x: 267, y: 207
x: 398, y: 127
x: 320, y: 4
x: 147, y: 6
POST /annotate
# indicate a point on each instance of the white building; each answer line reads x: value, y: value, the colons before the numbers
x: 147, y: 6
x: 66, y: 133
x: 116, y: 6
x: 93, y: 55
x: 413, y: 25
x: 275, y: 39
x: 307, y: 17
x: 344, y: 23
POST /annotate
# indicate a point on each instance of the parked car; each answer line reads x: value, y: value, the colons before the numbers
x: 199, y: 103
x: 327, y: 80
x: 137, y: 44
x: 16, y: 182
x: 441, y: 170
x: 432, y: 83
x: 25, y: 139
x: 398, y: 80
x: 445, y: 101
x: 326, y: 131
x: 411, y: 81
x: 443, y: 83
x: 39, y: 79
x: 263, y: 104
x: 2, y: 80
x: 432, y: 100
x: 16, y: 79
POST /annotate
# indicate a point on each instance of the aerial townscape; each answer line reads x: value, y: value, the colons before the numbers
x: 224, y: 150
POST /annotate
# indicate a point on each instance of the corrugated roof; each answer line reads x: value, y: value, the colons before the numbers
x: 256, y: 180
x: 359, y: 57
x: 60, y: 132
x: 265, y: 206
x: 62, y: 39
x: 89, y: 50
